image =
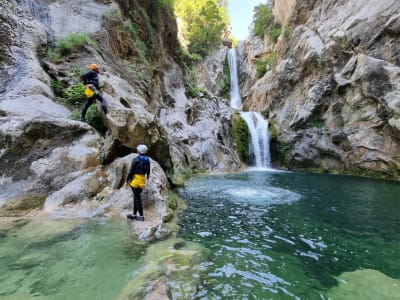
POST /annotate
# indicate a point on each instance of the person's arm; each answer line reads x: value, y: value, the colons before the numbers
x: 131, y: 171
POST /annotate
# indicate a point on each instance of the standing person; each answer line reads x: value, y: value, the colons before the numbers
x: 139, y: 170
x: 92, y: 92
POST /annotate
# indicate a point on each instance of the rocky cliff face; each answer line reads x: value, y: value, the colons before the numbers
x: 62, y: 163
x: 333, y: 93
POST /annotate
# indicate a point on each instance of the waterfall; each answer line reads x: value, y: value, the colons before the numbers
x: 258, y: 126
x: 259, y: 146
x: 236, y: 101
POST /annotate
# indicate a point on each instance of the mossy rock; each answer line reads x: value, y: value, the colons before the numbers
x: 23, y: 205
x: 241, y: 135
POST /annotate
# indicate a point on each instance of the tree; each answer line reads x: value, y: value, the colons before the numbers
x: 203, y: 21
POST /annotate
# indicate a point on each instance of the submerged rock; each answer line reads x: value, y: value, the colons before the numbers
x: 365, y: 284
x: 166, y: 272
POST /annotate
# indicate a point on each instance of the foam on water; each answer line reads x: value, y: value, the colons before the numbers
x: 233, y: 188
x: 261, y: 195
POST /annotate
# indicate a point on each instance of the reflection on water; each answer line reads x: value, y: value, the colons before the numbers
x: 284, y: 235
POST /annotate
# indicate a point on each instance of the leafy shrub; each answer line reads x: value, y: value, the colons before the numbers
x: 54, y: 56
x: 264, y: 23
x: 261, y: 67
x: 65, y: 45
x: 198, y: 91
x: 274, y: 32
x: 57, y: 88
x: 187, y: 61
x: 203, y: 22
x: 266, y: 64
x: 75, y: 95
x: 93, y: 119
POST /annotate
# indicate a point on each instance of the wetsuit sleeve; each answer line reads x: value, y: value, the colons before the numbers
x: 131, y: 170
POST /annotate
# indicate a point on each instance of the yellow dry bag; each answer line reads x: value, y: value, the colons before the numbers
x: 138, y: 181
x: 88, y: 92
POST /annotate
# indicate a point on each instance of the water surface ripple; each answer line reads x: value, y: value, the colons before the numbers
x: 287, y: 235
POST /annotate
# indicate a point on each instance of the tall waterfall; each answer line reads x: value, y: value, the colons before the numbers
x: 258, y: 126
x: 236, y: 101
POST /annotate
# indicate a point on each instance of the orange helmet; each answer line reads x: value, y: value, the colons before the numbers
x: 94, y: 67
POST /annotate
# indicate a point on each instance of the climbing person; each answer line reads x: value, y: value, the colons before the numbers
x: 92, y: 91
x: 139, y: 170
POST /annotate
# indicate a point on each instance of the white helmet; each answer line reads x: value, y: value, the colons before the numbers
x: 142, y: 149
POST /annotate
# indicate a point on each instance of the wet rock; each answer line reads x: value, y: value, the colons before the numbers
x: 337, y: 70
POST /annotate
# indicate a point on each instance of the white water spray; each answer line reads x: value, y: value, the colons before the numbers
x: 236, y: 101
x: 259, y: 147
x: 258, y: 126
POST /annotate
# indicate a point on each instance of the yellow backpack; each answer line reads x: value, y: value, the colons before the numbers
x: 138, y: 181
x: 88, y: 92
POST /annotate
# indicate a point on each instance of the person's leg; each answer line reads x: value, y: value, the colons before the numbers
x: 86, y: 107
x: 138, y: 201
x: 103, y: 102
x: 132, y: 216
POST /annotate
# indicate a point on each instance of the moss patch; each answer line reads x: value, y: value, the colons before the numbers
x: 172, y: 201
x: 241, y: 136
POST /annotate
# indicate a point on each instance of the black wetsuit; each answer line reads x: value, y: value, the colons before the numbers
x: 91, y: 77
x: 140, y: 165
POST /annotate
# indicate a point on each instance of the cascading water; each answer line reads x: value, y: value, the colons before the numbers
x: 259, y: 147
x: 236, y: 101
x: 258, y: 126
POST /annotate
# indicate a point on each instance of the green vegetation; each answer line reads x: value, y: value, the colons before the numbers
x: 140, y: 46
x: 74, y: 98
x: 67, y: 44
x: 74, y: 95
x: 273, y: 131
x: 225, y: 85
x: 180, y: 175
x: 241, y: 136
x: 167, y: 5
x: 261, y: 67
x: 93, y: 119
x: 198, y: 91
x: 318, y: 123
x: 203, y: 22
x: 172, y: 201
x: 187, y: 61
x: 265, y: 64
x: 264, y: 23
x: 58, y: 88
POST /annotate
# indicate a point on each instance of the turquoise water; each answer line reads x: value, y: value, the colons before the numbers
x: 66, y: 259
x: 253, y: 235
x: 284, y: 235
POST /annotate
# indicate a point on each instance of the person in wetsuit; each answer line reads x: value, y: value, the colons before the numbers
x: 139, y: 170
x: 91, y: 80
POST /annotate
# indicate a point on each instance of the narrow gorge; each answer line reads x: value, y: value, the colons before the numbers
x: 275, y: 160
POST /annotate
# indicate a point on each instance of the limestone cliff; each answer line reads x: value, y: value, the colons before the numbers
x: 332, y: 95
x: 66, y: 165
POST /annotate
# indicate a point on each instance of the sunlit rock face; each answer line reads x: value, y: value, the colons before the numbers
x: 64, y: 164
x: 333, y: 92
